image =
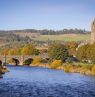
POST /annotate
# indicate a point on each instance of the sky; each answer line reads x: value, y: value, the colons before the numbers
x: 46, y: 14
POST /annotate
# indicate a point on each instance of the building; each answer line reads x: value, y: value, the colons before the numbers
x: 93, y: 32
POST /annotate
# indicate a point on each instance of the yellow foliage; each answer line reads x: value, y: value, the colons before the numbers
x: 93, y: 70
x: 85, y: 67
x: 10, y: 61
x: 27, y: 50
x: 55, y: 64
x: 4, y: 52
x: 68, y: 68
x: 15, y: 51
x: 37, y: 60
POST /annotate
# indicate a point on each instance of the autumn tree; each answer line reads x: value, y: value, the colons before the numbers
x: 28, y: 50
x: 14, y: 51
x: 4, y: 52
x: 72, y: 48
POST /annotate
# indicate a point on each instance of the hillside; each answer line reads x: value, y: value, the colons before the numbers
x: 41, y: 37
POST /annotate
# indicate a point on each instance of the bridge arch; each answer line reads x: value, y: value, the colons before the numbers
x: 28, y: 61
x: 13, y: 61
x: 20, y: 59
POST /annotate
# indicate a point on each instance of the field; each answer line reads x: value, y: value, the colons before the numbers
x: 64, y: 37
x: 18, y: 39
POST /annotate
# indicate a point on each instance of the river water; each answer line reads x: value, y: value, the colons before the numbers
x: 41, y: 82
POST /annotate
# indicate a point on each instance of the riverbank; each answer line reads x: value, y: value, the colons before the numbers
x: 3, y: 70
x: 82, y: 68
x: 86, y: 69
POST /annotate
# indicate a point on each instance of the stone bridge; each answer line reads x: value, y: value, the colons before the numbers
x: 20, y: 58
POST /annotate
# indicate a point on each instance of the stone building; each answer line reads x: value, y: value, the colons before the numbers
x: 93, y: 32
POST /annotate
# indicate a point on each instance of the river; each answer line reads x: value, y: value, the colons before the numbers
x: 42, y: 82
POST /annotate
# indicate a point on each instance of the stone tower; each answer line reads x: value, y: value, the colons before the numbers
x: 93, y: 32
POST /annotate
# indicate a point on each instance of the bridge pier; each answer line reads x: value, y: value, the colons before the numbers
x: 21, y: 60
x: 5, y: 60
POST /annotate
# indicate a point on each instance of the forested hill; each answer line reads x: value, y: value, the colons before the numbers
x: 48, y: 32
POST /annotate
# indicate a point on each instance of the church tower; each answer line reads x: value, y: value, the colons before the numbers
x: 93, y: 32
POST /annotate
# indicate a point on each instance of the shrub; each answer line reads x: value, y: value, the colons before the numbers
x: 28, y: 61
x: 37, y: 60
x: 93, y: 70
x: 55, y: 64
x: 86, y: 67
x: 67, y: 68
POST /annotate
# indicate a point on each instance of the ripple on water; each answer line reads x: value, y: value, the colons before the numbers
x: 39, y: 82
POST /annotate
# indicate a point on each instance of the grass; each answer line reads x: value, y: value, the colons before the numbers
x: 64, y: 37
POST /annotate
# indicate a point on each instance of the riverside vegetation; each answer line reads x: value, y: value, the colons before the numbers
x: 68, y: 57
x: 3, y: 69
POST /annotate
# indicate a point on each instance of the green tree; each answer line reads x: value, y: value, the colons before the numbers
x: 57, y: 52
x: 82, y: 53
x: 91, y: 53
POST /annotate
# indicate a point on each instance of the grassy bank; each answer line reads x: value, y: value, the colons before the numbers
x: 74, y: 67
x: 82, y: 68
